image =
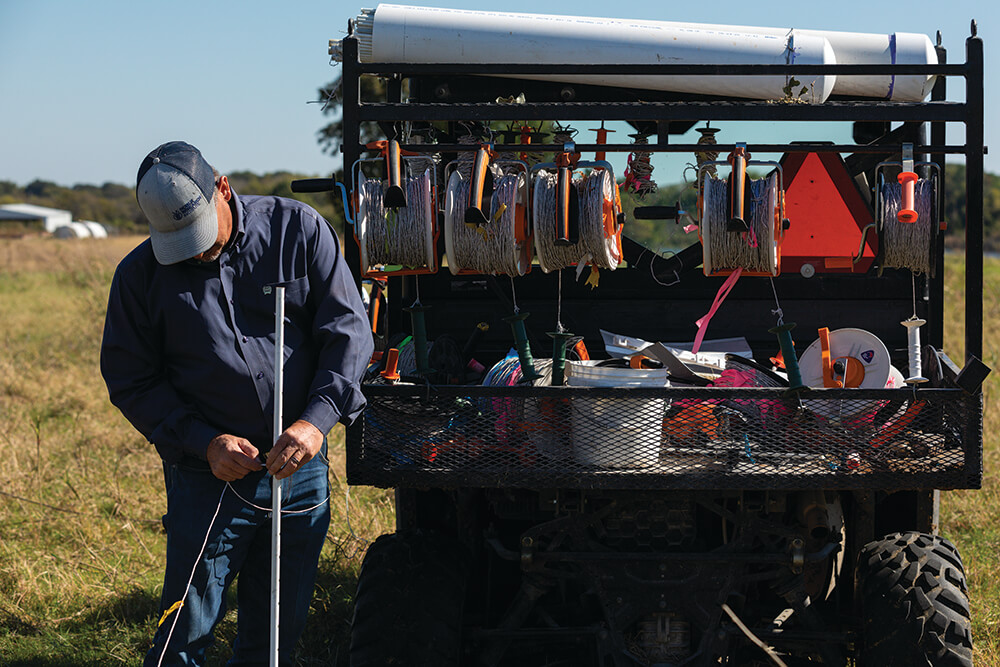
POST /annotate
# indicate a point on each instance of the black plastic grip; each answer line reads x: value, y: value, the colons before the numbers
x: 314, y: 185
x: 655, y: 212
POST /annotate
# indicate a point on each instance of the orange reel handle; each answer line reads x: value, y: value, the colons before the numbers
x: 391, y: 373
x: 737, y: 190
x: 824, y: 342
x: 564, y: 183
x: 394, y: 196
x: 907, y: 210
x: 474, y: 214
x: 602, y: 138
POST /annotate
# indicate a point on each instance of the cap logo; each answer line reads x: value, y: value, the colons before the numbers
x: 186, y: 208
x: 868, y: 355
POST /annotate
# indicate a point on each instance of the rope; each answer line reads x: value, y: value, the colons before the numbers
x: 638, y: 173
x: 755, y: 250
x: 592, y: 246
x: 396, y: 237
x: 507, y: 372
x: 707, y: 138
x: 907, y: 245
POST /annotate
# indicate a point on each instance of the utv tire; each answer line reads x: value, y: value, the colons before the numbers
x: 409, y: 601
x: 914, y: 603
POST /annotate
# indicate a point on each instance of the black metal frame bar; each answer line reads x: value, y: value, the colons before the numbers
x: 938, y: 112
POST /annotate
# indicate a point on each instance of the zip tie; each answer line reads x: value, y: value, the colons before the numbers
x: 174, y: 607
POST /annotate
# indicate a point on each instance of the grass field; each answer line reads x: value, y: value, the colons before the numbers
x: 81, y: 493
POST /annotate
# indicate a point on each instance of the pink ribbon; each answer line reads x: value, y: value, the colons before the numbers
x: 720, y: 296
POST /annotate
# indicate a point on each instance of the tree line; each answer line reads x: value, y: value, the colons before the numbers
x: 114, y: 205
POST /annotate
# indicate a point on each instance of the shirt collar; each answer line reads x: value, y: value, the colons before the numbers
x: 233, y: 245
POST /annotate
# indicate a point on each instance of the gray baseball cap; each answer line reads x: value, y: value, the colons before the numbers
x: 175, y: 186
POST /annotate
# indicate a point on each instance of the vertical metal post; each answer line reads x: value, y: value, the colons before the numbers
x: 350, y: 144
x: 276, y: 484
x: 935, y: 315
x: 974, y: 196
x: 350, y: 84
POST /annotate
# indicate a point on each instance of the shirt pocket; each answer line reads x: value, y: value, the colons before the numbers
x: 296, y: 303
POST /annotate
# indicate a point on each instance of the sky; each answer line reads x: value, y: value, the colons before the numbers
x: 88, y: 88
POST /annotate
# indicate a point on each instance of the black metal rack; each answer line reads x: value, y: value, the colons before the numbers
x: 952, y: 421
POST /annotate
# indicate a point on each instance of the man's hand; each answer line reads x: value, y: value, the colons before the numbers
x: 231, y: 457
x: 299, y: 443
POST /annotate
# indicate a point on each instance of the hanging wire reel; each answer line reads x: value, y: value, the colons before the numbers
x: 742, y: 220
x: 576, y: 221
x: 486, y: 215
x: 396, y: 221
x: 908, y: 213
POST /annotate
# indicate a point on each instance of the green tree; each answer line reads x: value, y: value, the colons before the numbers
x: 331, y: 135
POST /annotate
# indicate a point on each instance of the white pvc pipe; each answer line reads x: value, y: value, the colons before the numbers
x: 396, y: 33
x: 276, y: 484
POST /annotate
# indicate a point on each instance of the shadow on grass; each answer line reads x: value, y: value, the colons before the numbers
x: 115, y: 632
x: 328, y: 630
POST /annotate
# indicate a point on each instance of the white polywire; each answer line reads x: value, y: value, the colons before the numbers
x: 592, y: 246
x: 268, y: 509
x: 754, y: 250
x: 491, y: 248
x: 177, y: 612
x: 396, y: 237
x: 907, y: 245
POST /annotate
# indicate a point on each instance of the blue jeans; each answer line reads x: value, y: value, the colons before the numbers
x: 239, y: 544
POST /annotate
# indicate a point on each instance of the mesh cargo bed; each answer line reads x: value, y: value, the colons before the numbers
x: 671, y: 438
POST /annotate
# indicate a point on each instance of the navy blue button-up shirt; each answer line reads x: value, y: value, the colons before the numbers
x: 188, y: 349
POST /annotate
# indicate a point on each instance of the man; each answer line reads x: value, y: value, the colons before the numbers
x: 188, y: 357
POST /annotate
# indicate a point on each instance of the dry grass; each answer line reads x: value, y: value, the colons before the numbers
x: 969, y: 518
x: 81, y: 546
x: 81, y: 493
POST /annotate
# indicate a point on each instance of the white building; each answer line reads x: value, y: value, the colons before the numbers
x: 53, y: 218
x: 56, y: 221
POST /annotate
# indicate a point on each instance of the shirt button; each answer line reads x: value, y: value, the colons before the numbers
x: 260, y: 375
x: 231, y: 301
x: 244, y: 339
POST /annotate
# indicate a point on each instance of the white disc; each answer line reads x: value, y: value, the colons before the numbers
x: 429, y: 214
x: 449, y: 222
x: 538, y: 186
x: 522, y: 251
x: 363, y: 221
x: 772, y: 205
x: 705, y: 225
x: 608, y: 247
x: 856, y: 344
x: 895, y: 380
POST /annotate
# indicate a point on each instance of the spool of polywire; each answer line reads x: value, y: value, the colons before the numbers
x: 499, y: 247
x: 754, y: 250
x: 908, y: 245
x: 598, y: 226
x: 400, y: 237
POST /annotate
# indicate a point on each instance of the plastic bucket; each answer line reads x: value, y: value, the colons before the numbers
x: 614, y: 432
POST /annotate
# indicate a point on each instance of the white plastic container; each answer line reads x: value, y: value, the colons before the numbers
x: 612, y: 432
